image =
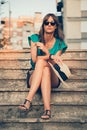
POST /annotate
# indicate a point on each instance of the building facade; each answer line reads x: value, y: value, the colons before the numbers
x: 75, y: 23
x: 72, y: 15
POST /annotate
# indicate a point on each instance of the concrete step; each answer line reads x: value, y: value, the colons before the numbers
x: 57, y: 111
x: 20, y: 85
x: 21, y: 59
x: 21, y: 74
x: 75, y: 54
x: 63, y: 118
x: 25, y: 64
x: 68, y: 104
x: 35, y: 124
x: 14, y: 54
x: 66, y: 97
x: 25, y: 53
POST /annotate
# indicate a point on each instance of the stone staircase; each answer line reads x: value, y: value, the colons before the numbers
x: 68, y: 104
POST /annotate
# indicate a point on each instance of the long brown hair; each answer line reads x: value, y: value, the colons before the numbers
x: 58, y: 33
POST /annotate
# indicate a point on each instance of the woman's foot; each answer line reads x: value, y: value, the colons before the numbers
x: 26, y: 106
x: 46, y: 115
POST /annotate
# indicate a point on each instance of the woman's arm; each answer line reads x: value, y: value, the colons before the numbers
x: 33, y: 51
x: 44, y: 49
x: 34, y: 55
x: 46, y: 57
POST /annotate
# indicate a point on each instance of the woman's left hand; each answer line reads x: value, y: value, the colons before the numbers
x: 57, y: 58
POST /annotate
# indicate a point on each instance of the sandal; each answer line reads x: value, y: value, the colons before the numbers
x: 23, y: 108
x: 46, y: 115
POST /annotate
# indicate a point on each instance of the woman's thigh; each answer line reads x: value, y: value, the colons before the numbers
x: 54, y: 80
x: 39, y: 67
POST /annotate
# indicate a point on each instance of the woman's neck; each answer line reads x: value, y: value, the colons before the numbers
x: 48, y: 37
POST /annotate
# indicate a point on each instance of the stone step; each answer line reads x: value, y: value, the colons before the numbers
x: 14, y: 55
x: 75, y: 54
x: 76, y: 63
x: 25, y: 64
x: 21, y: 54
x: 21, y: 74
x: 58, y: 112
x: 57, y: 97
x: 68, y: 104
x: 21, y: 59
x: 20, y: 85
x: 37, y: 124
x: 63, y: 118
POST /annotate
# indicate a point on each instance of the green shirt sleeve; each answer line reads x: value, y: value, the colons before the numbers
x: 59, y: 45
x: 63, y: 46
x: 33, y: 38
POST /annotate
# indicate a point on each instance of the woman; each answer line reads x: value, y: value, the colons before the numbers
x: 47, y: 46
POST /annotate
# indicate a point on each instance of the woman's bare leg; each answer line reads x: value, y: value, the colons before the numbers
x: 46, y: 87
x: 41, y: 75
x: 49, y: 79
x: 36, y: 78
x: 35, y: 81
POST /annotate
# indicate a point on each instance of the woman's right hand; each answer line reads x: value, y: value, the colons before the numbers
x: 42, y: 47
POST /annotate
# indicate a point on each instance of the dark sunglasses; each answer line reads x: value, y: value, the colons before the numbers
x: 51, y: 23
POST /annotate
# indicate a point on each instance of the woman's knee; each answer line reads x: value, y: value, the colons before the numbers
x: 41, y: 63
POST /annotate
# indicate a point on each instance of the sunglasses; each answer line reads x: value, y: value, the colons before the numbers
x: 51, y: 23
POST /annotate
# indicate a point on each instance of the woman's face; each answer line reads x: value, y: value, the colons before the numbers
x: 49, y: 25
